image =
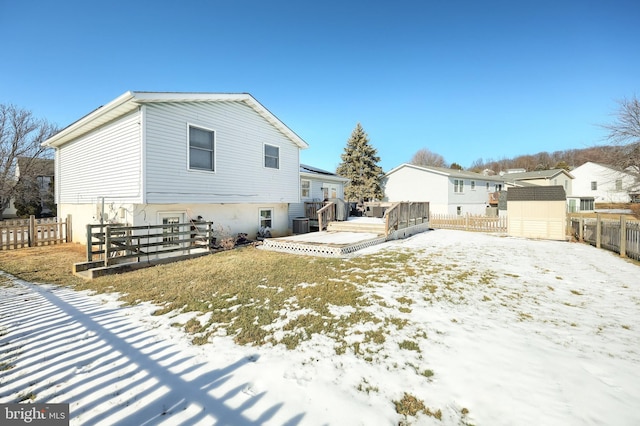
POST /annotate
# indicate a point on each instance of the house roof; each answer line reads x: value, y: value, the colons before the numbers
x: 310, y: 171
x: 129, y: 101
x: 537, y: 174
x: 448, y: 172
x: 38, y: 166
x: 537, y: 193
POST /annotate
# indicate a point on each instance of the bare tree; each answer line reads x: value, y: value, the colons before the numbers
x: 624, y: 133
x: 21, y: 135
x: 425, y: 157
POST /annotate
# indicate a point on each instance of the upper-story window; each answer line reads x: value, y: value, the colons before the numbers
x: 201, y: 149
x: 458, y: 185
x: 618, y: 184
x: 473, y: 185
x: 594, y: 185
x: 271, y: 156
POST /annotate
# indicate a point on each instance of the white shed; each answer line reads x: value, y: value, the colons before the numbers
x: 537, y: 212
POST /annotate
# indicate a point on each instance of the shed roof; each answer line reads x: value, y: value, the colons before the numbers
x: 537, y: 193
x: 129, y: 101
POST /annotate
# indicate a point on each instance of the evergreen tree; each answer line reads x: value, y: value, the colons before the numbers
x: 360, y: 165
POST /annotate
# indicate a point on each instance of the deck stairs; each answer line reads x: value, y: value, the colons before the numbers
x: 356, y: 226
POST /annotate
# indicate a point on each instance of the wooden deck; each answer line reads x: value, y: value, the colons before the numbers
x: 341, y: 238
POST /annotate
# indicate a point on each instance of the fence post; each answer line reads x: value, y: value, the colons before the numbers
x: 107, y: 244
x: 69, y: 230
x: 32, y: 231
x: 598, y: 230
x: 209, y: 236
x: 466, y: 222
x: 89, y: 244
x: 581, y: 230
x: 623, y: 236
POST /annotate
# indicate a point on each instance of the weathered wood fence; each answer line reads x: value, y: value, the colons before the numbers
x: 621, y: 235
x: 32, y: 232
x: 110, y: 244
x: 468, y: 222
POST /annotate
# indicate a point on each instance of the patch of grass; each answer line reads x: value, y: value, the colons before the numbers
x: 626, y: 327
x: 409, y: 345
x: 428, y: 373
x: 29, y: 396
x: 366, y: 387
x: 49, y: 264
x: 409, y: 405
x: 576, y: 292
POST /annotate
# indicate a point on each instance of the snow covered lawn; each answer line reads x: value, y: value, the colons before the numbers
x: 487, y: 330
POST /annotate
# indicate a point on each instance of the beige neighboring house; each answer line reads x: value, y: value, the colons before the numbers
x: 537, y: 212
x: 551, y: 177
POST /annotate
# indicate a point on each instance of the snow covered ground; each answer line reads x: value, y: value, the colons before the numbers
x: 510, y: 332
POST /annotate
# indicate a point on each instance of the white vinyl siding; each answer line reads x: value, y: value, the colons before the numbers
x: 240, y: 135
x: 104, y: 163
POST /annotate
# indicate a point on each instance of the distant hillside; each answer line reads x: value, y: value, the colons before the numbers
x: 568, y: 159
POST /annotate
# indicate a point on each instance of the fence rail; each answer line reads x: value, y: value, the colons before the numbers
x: 32, y: 232
x: 113, y: 244
x: 468, y: 223
x: 621, y: 236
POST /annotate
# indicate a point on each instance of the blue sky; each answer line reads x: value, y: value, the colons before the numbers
x: 465, y: 79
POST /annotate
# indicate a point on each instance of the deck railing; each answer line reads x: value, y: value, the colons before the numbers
x: 404, y: 214
x: 326, y: 215
x: 114, y: 243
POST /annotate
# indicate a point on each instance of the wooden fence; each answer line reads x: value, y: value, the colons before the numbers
x: 113, y: 244
x: 621, y: 236
x: 32, y: 232
x: 469, y: 223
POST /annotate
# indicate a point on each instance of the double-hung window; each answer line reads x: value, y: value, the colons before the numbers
x: 458, y: 185
x: 271, y: 156
x: 594, y: 185
x: 201, y: 149
x: 305, y: 188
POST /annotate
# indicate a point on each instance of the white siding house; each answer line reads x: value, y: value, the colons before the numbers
x: 604, y: 183
x: 316, y: 185
x: 147, y: 157
x: 448, y: 191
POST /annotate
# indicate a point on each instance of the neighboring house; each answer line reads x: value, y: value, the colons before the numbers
x: 316, y: 185
x: 603, y: 183
x: 163, y: 158
x: 448, y: 191
x: 542, y: 178
x: 43, y: 171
